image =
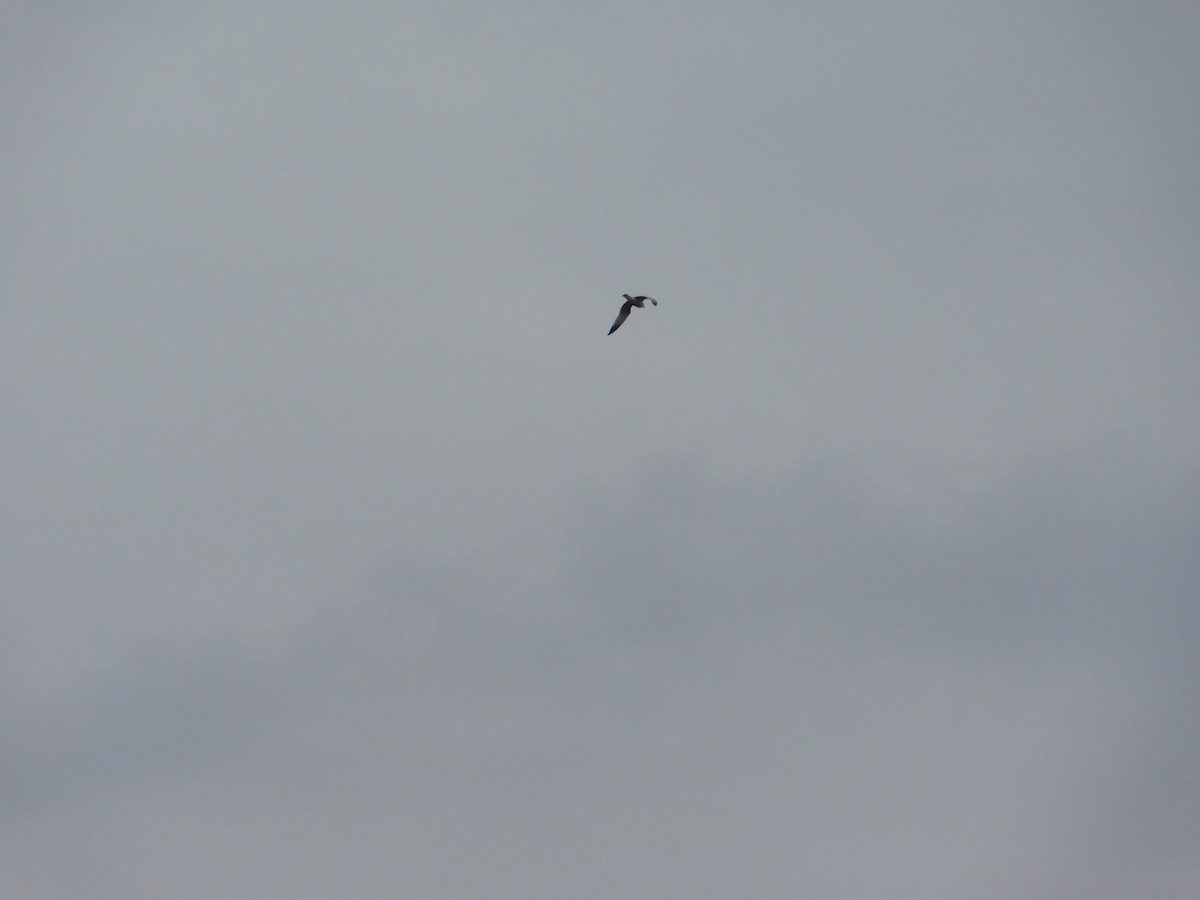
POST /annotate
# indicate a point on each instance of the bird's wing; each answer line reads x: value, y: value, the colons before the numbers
x: 621, y: 316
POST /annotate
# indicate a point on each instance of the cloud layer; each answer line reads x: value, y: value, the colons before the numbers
x: 344, y: 554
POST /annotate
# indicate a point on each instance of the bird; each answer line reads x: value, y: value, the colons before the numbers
x: 630, y: 302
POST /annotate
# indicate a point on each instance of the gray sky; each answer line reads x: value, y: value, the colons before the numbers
x: 345, y: 555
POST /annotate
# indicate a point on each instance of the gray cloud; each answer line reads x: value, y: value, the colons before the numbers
x: 343, y: 553
x: 758, y: 685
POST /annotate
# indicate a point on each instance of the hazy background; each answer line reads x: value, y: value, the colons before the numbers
x: 343, y: 554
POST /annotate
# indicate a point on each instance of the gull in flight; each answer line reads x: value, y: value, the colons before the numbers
x: 630, y: 302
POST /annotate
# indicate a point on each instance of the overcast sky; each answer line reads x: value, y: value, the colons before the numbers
x: 343, y: 554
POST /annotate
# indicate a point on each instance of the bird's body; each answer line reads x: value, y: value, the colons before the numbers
x: 630, y: 302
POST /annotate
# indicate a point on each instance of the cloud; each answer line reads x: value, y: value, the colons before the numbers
x: 813, y: 683
x: 346, y: 555
x: 1071, y: 546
